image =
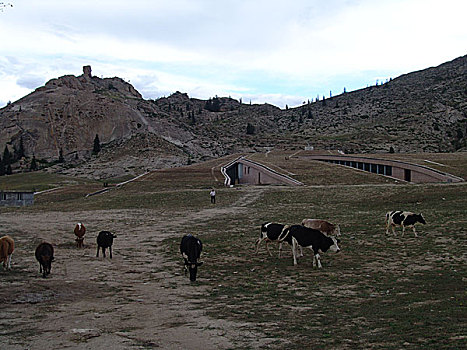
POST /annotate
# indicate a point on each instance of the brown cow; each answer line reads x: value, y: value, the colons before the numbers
x: 7, y: 246
x: 322, y: 225
x: 80, y: 230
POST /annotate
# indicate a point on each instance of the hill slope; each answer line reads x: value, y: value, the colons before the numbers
x: 420, y: 111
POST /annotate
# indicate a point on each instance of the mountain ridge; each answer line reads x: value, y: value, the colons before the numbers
x: 422, y: 111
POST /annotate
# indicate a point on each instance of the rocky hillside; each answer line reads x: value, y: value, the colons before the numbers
x: 420, y: 111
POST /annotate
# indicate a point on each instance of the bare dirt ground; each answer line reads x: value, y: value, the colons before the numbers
x: 128, y: 302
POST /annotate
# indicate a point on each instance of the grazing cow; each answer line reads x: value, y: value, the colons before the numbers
x: 404, y: 219
x: 105, y: 240
x: 7, y: 246
x: 80, y: 230
x: 191, y: 248
x: 310, y: 238
x: 322, y: 225
x: 45, y: 256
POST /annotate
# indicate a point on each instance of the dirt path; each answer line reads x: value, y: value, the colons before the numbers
x: 129, y: 302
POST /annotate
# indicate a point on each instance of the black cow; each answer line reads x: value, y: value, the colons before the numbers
x: 404, y: 219
x: 45, y: 256
x: 105, y: 240
x: 191, y: 248
x: 310, y: 238
x: 270, y: 232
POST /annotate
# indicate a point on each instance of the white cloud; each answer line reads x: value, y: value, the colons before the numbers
x: 207, y: 47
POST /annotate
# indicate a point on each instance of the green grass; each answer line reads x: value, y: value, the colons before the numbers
x: 380, y: 292
x: 38, y: 181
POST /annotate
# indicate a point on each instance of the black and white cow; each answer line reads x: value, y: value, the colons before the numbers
x: 105, y: 240
x: 270, y: 232
x: 310, y: 238
x: 404, y: 219
x: 191, y: 248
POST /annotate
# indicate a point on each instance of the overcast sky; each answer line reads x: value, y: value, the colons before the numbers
x: 279, y: 52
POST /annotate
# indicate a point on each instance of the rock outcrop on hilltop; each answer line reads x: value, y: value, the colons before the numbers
x: 424, y: 111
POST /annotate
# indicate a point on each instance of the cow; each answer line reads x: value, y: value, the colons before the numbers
x: 105, y: 240
x: 310, y: 238
x: 404, y: 219
x: 7, y: 246
x: 270, y: 232
x: 322, y: 225
x: 45, y: 256
x: 79, y: 231
x: 190, y: 248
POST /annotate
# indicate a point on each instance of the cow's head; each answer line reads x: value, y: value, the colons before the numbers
x: 337, y: 230
x: 421, y: 219
x: 333, y: 245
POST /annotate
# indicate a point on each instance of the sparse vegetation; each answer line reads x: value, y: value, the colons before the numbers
x: 380, y: 292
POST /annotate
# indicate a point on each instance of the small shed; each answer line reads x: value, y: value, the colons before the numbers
x: 16, y: 198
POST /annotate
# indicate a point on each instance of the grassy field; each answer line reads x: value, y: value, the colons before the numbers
x: 380, y: 292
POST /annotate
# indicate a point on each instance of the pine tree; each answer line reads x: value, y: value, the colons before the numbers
x: 6, y: 156
x: 20, y: 153
x: 2, y: 167
x: 97, y: 145
x: 250, y: 129
x: 33, y: 166
x: 60, y: 156
x: 216, y: 104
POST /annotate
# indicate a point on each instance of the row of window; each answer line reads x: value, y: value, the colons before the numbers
x: 11, y: 196
x: 370, y: 167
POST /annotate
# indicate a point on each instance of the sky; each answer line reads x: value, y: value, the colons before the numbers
x: 264, y: 51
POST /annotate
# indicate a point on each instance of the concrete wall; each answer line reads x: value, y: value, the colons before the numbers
x: 396, y: 169
x: 16, y: 199
x: 250, y: 172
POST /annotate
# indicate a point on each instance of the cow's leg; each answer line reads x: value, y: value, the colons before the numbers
x: 294, y: 248
x: 40, y: 268
x: 9, y: 262
x: 98, y: 248
x: 110, y: 249
x: 403, y: 230
x: 103, y: 251
x: 280, y: 249
x: 318, y: 260
x: 257, y: 243
x: 267, y: 247
x: 393, y: 227
x: 415, y: 233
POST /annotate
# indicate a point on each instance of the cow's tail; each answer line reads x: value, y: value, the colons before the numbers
x: 284, y: 233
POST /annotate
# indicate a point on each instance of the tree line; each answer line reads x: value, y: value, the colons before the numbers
x: 8, y: 158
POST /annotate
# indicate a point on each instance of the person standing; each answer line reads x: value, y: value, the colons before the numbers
x: 213, y: 196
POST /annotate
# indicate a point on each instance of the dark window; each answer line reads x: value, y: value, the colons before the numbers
x: 407, y: 175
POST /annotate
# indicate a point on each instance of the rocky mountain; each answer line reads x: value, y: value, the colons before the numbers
x: 424, y: 111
